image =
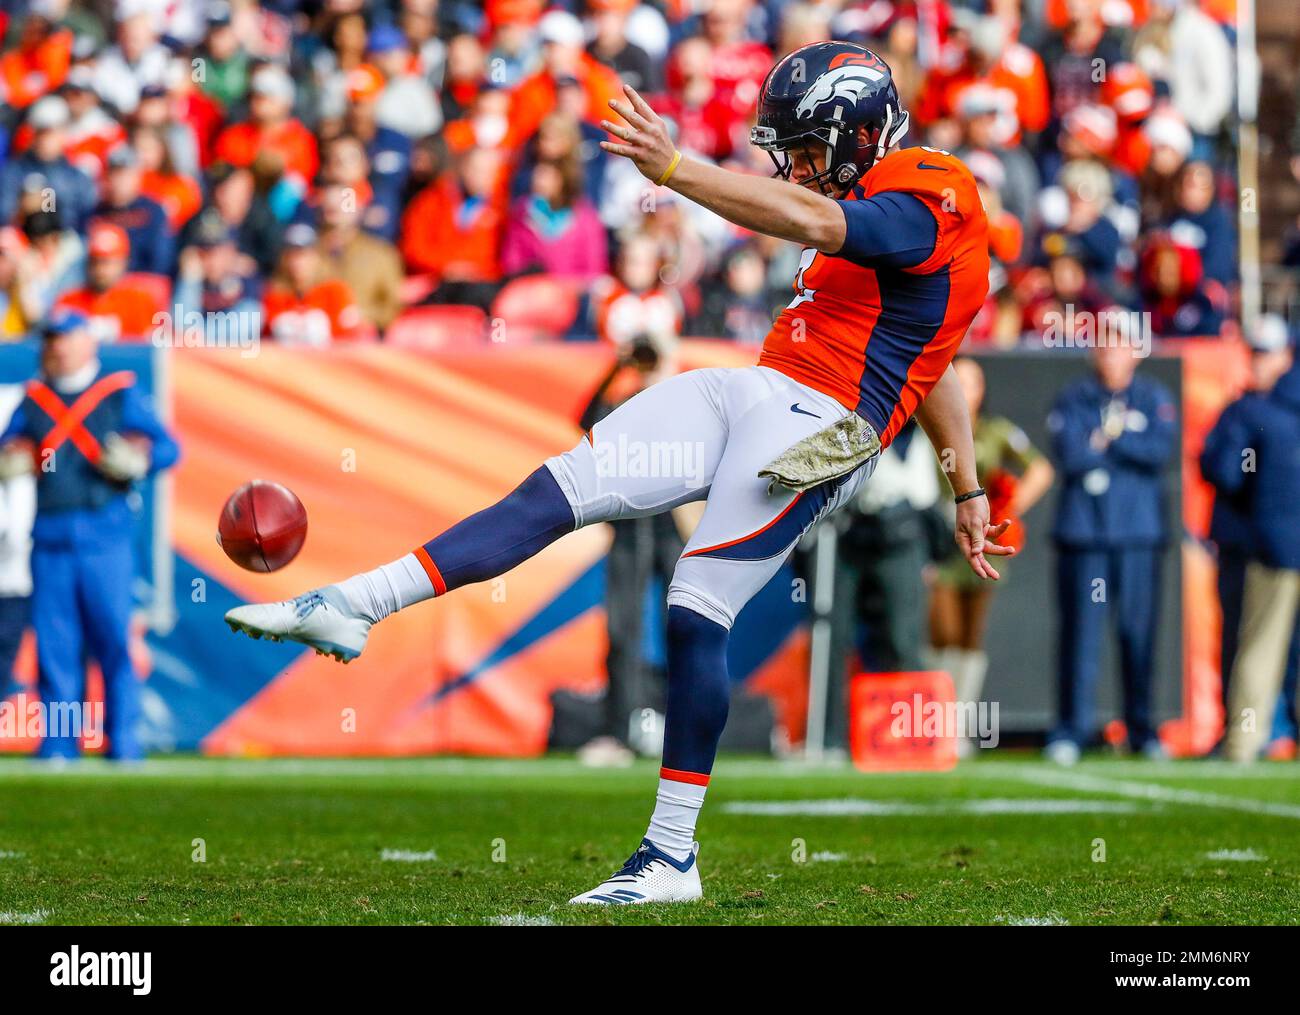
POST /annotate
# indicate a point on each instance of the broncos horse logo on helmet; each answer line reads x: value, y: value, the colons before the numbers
x: 824, y: 94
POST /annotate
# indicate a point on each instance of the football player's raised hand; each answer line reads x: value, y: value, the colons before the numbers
x: 975, y: 537
x: 643, y: 138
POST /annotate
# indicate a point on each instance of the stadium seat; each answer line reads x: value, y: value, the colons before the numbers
x: 439, y: 327
x: 538, y: 306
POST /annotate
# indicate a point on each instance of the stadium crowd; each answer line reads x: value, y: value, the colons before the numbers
x: 427, y: 171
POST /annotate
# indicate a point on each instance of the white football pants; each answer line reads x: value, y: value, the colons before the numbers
x: 703, y: 435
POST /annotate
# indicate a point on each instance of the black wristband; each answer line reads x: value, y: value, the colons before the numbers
x: 968, y: 495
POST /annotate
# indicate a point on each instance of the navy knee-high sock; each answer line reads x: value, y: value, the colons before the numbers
x: 491, y: 542
x: 699, y: 691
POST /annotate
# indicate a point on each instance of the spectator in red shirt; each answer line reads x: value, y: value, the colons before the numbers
x: 453, y: 228
x: 706, y: 122
x: 739, y: 63
x: 270, y: 128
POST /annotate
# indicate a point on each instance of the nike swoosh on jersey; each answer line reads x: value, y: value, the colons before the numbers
x: 803, y: 412
x: 926, y: 165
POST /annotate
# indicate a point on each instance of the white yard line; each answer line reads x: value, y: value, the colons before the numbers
x: 853, y: 806
x: 1083, y: 782
x: 523, y: 920
x: 1237, y: 855
x: 35, y: 916
x: 409, y: 855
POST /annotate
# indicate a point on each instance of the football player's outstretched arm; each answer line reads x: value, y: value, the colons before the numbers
x: 945, y: 418
x: 765, y: 205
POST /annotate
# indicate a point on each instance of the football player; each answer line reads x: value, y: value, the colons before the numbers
x: 894, y: 268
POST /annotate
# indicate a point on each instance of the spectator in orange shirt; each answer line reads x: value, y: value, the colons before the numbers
x: 563, y: 56
x: 178, y: 194
x: 302, y: 306
x: 38, y: 64
x: 271, y: 128
x: 995, y: 60
x: 453, y: 229
x: 118, y: 310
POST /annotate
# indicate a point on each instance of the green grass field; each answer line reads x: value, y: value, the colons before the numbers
x: 1006, y: 840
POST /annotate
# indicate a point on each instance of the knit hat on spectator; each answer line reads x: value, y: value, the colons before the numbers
x: 63, y: 321
x: 1093, y: 126
x: 219, y: 13
x: 48, y: 112
x: 982, y: 99
x: 212, y: 231
x: 1166, y: 129
x: 123, y: 157
x: 1088, y: 180
x: 81, y: 78
x: 272, y: 82
x: 561, y: 28
x: 108, y: 240
x: 513, y: 12
x: 1129, y: 92
x: 384, y: 39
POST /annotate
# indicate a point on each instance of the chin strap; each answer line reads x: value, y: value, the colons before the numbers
x: 891, y: 133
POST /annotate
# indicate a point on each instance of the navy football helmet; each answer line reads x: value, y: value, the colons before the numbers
x: 823, y: 94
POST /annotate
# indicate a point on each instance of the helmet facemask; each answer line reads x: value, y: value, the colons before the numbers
x: 846, y: 160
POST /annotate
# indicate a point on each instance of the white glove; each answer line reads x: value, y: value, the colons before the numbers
x: 15, y: 462
x: 123, y: 460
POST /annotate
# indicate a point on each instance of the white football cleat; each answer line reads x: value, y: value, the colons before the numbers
x: 650, y: 875
x: 320, y: 618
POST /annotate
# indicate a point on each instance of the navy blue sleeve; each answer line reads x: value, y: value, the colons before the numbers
x: 15, y: 427
x: 138, y: 417
x: 890, y: 230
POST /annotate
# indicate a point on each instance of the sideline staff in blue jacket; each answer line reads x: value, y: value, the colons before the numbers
x: 1112, y: 436
x: 1262, y: 458
x: 88, y: 435
x: 1225, y: 468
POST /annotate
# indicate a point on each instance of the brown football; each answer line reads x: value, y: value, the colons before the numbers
x: 262, y: 526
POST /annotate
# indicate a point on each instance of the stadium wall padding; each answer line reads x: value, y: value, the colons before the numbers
x: 388, y: 447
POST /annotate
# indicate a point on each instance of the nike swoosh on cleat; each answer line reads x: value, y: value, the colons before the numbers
x: 803, y: 412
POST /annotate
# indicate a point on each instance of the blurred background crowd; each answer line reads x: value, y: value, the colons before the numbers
x: 427, y: 171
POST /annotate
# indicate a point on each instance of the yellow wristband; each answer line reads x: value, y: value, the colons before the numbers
x: 672, y: 168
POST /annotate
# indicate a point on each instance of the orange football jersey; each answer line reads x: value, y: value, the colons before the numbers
x: 877, y: 339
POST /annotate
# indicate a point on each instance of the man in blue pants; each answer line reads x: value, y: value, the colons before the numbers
x: 88, y: 435
x: 1112, y: 436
